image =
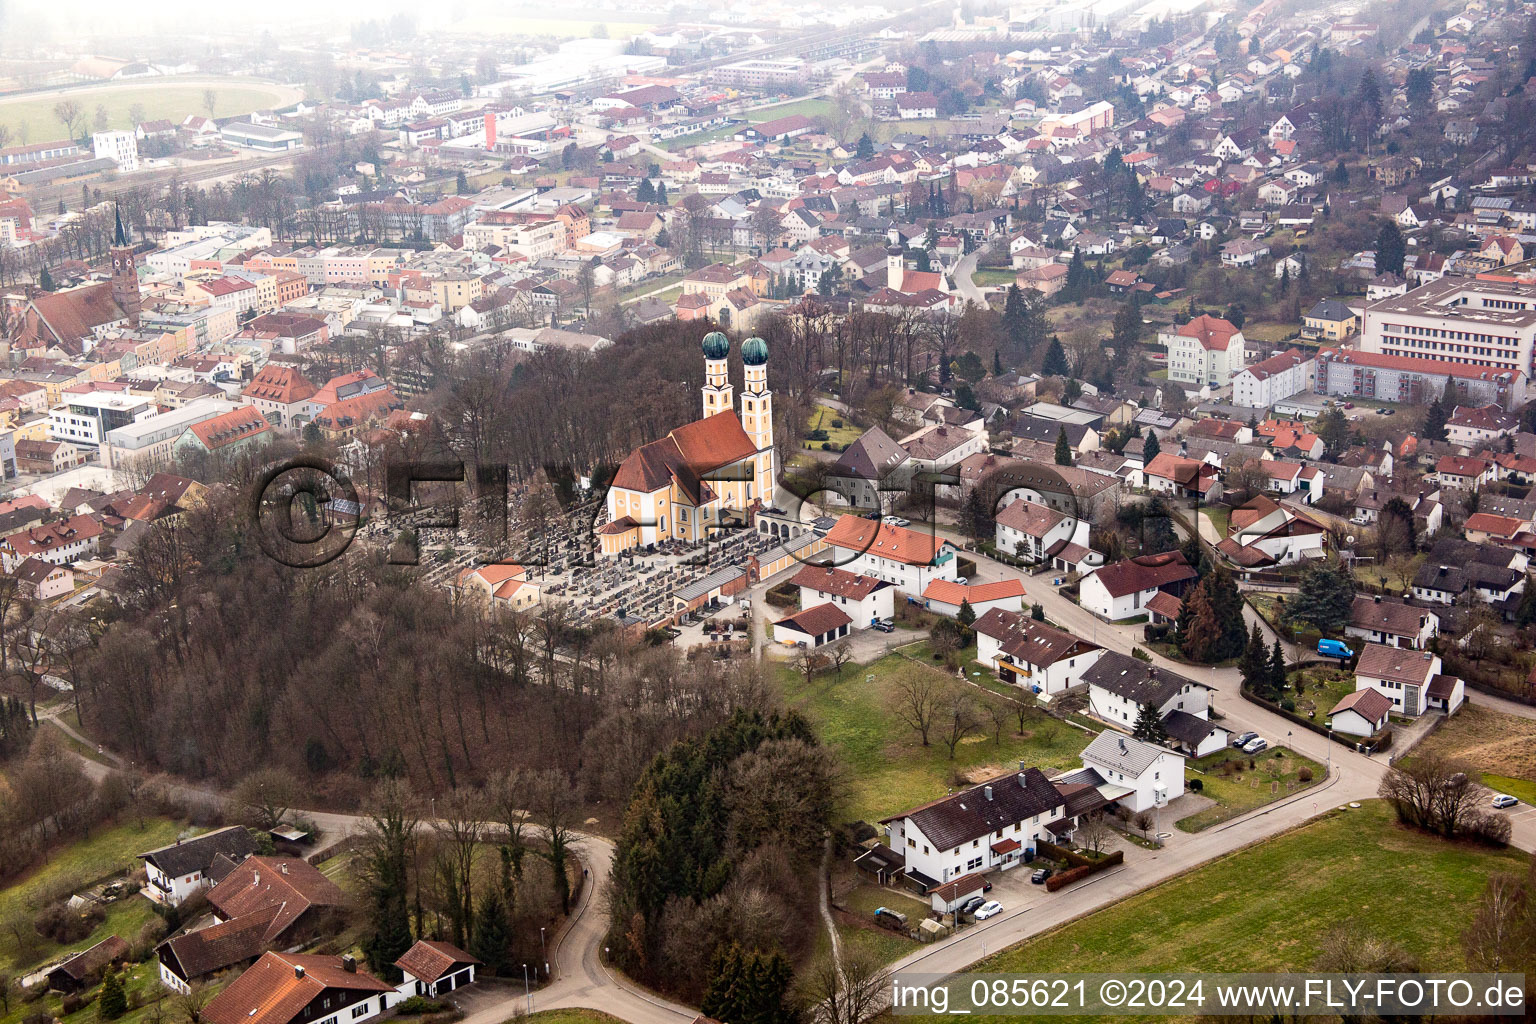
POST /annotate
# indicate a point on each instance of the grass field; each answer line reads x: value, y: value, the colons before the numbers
x: 1268, y: 908
x: 1220, y: 517
x: 994, y: 277
x: 1522, y: 789
x: 1275, y: 778
x: 884, y: 944
x: 570, y: 1016
x: 888, y: 768
x: 31, y: 118
x: 822, y: 419
x: 1272, y: 332
x: 811, y: 107
x: 1495, y: 743
x: 92, y: 859
x: 1322, y: 688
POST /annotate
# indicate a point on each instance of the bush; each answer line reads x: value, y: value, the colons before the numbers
x: 1305, y: 775
x: 837, y: 424
x: 1382, y: 740
x: 1196, y: 785
x: 415, y: 1006
x: 1140, y: 655
x: 1067, y: 877
x: 72, y: 1003
x: 826, y: 446
x: 66, y: 926
x: 1288, y: 705
x: 1489, y: 829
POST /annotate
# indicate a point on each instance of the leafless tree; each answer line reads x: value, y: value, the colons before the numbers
x: 841, y: 654
x: 556, y: 812
x: 69, y: 114
x: 1502, y: 936
x: 458, y: 828
x: 919, y: 695
x: 189, y: 1004
x: 266, y: 795
x: 998, y: 712
x: 1350, y: 950
x: 846, y: 988
x: 210, y: 100
x: 1093, y: 833
x: 1432, y: 792
x: 958, y: 718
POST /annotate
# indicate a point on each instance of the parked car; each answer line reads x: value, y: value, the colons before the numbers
x: 1334, y: 649
x: 903, y: 522
x: 962, y: 580
x: 892, y: 919
x: 1502, y: 800
x: 883, y: 626
x: 1256, y: 745
x: 1349, y: 405
x: 989, y: 909
x: 1241, y: 738
x: 891, y: 520
x: 970, y: 905
x: 1040, y: 875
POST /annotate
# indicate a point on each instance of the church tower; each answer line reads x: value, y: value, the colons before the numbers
x: 718, y: 396
x: 757, y: 415
x: 125, y: 276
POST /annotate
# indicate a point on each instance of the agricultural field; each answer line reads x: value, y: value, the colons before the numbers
x: 1269, y: 907
x: 30, y: 117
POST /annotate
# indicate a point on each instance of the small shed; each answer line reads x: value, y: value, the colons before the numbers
x: 951, y: 895
x: 432, y: 969
x: 80, y: 970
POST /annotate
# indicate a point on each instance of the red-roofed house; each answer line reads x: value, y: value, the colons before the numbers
x: 1122, y: 589
x: 1362, y: 713
x: 813, y: 627
x: 432, y: 968
x: 911, y: 559
x: 280, y: 393
x: 863, y: 598
x: 227, y: 433
x: 57, y: 543
x: 1467, y: 474
x: 290, y: 988
x: 1181, y: 477
x: 500, y: 584
x: 945, y: 596
x: 1207, y: 350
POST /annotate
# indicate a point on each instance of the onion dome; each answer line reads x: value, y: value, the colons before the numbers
x: 754, y: 352
x: 716, y: 345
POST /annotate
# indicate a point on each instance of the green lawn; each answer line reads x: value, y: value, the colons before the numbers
x: 888, y: 767
x: 31, y: 118
x: 1522, y: 789
x: 887, y: 946
x: 822, y: 418
x: 1268, y: 908
x: 1275, y: 778
x: 1272, y: 332
x: 811, y: 107
x: 1220, y: 517
x: 1322, y: 688
x: 92, y: 859
x: 994, y: 276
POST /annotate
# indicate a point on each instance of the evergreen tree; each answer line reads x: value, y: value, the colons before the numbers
x: 661, y: 193
x: 113, y: 1002
x: 997, y: 363
x: 975, y: 518
x: 491, y: 936
x: 1391, y: 250
x: 1194, y: 553
x: 748, y: 987
x: 461, y: 184
x: 1255, y: 662
x: 1227, y: 601
x: 1055, y: 362
x: 1063, y: 449
x: 1369, y: 97
x: 1149, y: 725
x: 1340, y: 173
x: 1324, y: 598
x: 45, y: 280
x: 1277, y: 673
x: 1125, y: 329
x: 1150, y: 448
x: 646, y: 193
x: 388, y: 872
x: 966, y: 615
x: 1434, y: 422
x: 1200, y: 625
x: 866, y: 147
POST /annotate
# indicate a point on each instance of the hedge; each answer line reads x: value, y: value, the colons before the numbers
x: 1067, y: 877
x: 1082, y: 866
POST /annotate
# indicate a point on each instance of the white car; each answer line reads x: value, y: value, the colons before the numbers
x: 991, y: 908
x: 1503, y: 800
x: 891, y: 520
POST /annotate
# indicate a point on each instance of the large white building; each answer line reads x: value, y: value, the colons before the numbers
x: 911, y: 559
x: 86, y: 418
x: 1206, y: 351
x: 1490, y: 324
x: 1273, y: 380
x: 122, y: 146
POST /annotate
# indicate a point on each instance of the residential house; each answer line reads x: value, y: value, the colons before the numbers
x: 946, y: 597
x: 1119, y: 686
x: 1412, y: 680
x: 1121, y: 590
x: 1265, y: 383
x: 1038, y: 533
x: 175, y: 872
x: 1363, y: 713
x: 291, y: 988
x: 910, y: 559
x: 1207, y: 350
x: 1263, y: 532
x: 1153, y: 774
x: 863, y: 599
x: 1391, y: 623
x: 1038, y: 656
x: 813, y: 627
x: 432, y: 969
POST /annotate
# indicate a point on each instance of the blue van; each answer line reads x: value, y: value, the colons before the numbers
x: 1334, y: 649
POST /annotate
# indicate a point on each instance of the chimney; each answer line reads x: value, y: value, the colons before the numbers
x: 1021, y: 767
x: 255, y: 877
x: 349, y: 964
x: 283, y: 867
x: 490, y: 131
x: 987, y: 792
x: 298, y: 971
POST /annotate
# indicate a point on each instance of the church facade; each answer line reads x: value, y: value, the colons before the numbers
x: 708, y: 472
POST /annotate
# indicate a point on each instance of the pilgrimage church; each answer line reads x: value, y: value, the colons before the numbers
x: 718, y: 467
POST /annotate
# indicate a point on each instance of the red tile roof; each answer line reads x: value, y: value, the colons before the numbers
x: 292, y: 885
x: 231, y: 428
x: 1369, y: 703
x: 279, y: 986
x: 428, y: 961
x: 816, y: 620
x: 914, y: 547
x: 1211, y: 331
x: 839, y: 582
x: 947, y: 592
x: 1145, y: 572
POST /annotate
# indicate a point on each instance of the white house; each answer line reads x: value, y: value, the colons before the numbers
x: 292, y: 988
x: 1033, y: 654
x: 812, y: 627
x: 432, y: 969
x: 911, y: 559
x: 862, y: 598
x: 1037, y: 533
x: 1391, y: 623
x: 1284, y: 477
x: 1118, y: 686
x: 979, y: 829
x: 177, y: 871
x: 1273, y: 380
x: 1153, y: 774
x: 1474, y: 426
x: 1122, y: 589
x: 1207, y: 350
x: 1411, y: 680
x: 1362, y: 713
x: 1264, y: 532
x: 945, y: 597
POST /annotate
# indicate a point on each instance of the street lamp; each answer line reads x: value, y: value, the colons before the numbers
x: 543, y: 954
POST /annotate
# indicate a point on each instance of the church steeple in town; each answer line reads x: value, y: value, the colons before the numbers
x: 125, y: 275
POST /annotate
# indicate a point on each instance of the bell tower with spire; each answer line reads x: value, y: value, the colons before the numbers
x: 125, y: 276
